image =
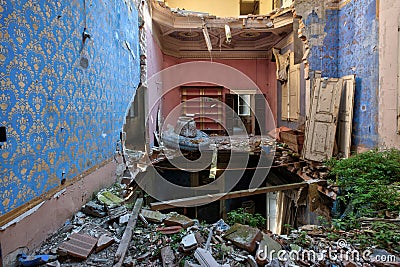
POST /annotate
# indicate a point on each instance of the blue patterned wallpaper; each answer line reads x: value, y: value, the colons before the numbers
x: 324, y: 53
x: 348, y: 44
x: 61, y: 117
x: 359, y: 55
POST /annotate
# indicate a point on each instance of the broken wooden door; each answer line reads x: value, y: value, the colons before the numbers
x: 260, y: 120
x: 271, y: 212
x: 321, y: 127
x: 344, y: 127
x: 230, y: 101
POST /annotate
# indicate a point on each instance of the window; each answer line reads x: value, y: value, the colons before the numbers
x: 244, y: 105
x: 282, y: 3
x: 249, y: 7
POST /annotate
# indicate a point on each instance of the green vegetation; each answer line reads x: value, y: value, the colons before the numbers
x: 243, y: 217
x: 370, y: 187
x: 370, y: 182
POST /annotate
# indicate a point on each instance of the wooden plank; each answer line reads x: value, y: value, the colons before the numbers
x: 126, y: 237
x: 294, y: 93
x: 345, y: 122
x: 206, y: 259
x: 200, y: 200
x: 321, y: 128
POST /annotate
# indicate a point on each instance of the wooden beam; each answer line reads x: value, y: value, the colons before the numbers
x: 200, y: 200
x: 126, y: 237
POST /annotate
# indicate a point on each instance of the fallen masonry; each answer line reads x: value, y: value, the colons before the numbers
x: 172, y: 239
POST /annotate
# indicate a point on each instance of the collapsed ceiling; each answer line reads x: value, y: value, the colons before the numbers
x: 184, y: 34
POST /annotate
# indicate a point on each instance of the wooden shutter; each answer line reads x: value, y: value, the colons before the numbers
x: 294, y: 92
x: 290, y: 102
x: 345, y: 122
x: 285, y: 101
x: 321, y: 128
x: 260, y: 120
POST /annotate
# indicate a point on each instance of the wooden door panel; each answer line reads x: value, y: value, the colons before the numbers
x: 321, y: 127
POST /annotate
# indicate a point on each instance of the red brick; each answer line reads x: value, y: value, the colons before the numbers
x: 78, y: 245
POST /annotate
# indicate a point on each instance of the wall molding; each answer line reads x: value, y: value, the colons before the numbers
x: 26, y: 207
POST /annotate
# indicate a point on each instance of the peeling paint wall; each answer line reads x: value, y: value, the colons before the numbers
x: 389, y: 69
x: 61, y: 117
x: 358, y: 54
x: 343, y: 39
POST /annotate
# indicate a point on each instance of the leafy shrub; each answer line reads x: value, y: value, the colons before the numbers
x: 369, y: 182
x: 242, y: 217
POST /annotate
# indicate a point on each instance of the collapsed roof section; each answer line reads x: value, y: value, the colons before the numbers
x: 189, y: 34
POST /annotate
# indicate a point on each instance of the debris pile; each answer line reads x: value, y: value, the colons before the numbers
x: 111, y: 232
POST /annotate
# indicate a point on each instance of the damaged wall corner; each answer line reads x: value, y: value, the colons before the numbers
x: 63, y: 118
x: 343, y: 40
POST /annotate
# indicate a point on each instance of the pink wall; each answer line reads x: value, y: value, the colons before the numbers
x: 33, y: 229
x: 154, y: 91
x: 389, y: 93
x: 260, y: 71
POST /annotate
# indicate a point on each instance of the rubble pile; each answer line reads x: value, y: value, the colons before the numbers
x: 117, y: 229
x: 95, y: 236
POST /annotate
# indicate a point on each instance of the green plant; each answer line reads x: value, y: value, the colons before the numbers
x: 369, y: 182
x: 176, y: 239
x: 287, y: 228
x: 323, y: 222
x: 332, y: 236
x: 240, y: 216
x: 302, y: 239
x: 385, y: 233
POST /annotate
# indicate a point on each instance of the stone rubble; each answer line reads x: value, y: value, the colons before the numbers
x: 172, y: 239
x: 175, y: 240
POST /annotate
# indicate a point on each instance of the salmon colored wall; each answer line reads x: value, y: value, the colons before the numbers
x: 261, y: 71
x: 389, y: 68
x: 154, y: 58
x: 30, y: 231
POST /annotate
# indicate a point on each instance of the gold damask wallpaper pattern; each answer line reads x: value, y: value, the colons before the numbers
x: 62, y: 116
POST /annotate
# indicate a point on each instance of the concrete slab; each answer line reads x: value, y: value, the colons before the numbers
x: 244, y: 236
x: 153, y: 216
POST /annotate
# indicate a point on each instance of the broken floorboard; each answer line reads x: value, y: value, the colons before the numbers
x: 126, y: 237
x: 200, y: 200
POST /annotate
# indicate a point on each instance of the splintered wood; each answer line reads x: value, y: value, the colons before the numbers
x: 126, y: 237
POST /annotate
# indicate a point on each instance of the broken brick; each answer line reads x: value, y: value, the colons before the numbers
x: 93, y: 209
x: 78, y: 245
x: 178, y: 219
x: 103, y: 242
x: 169, y: 230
